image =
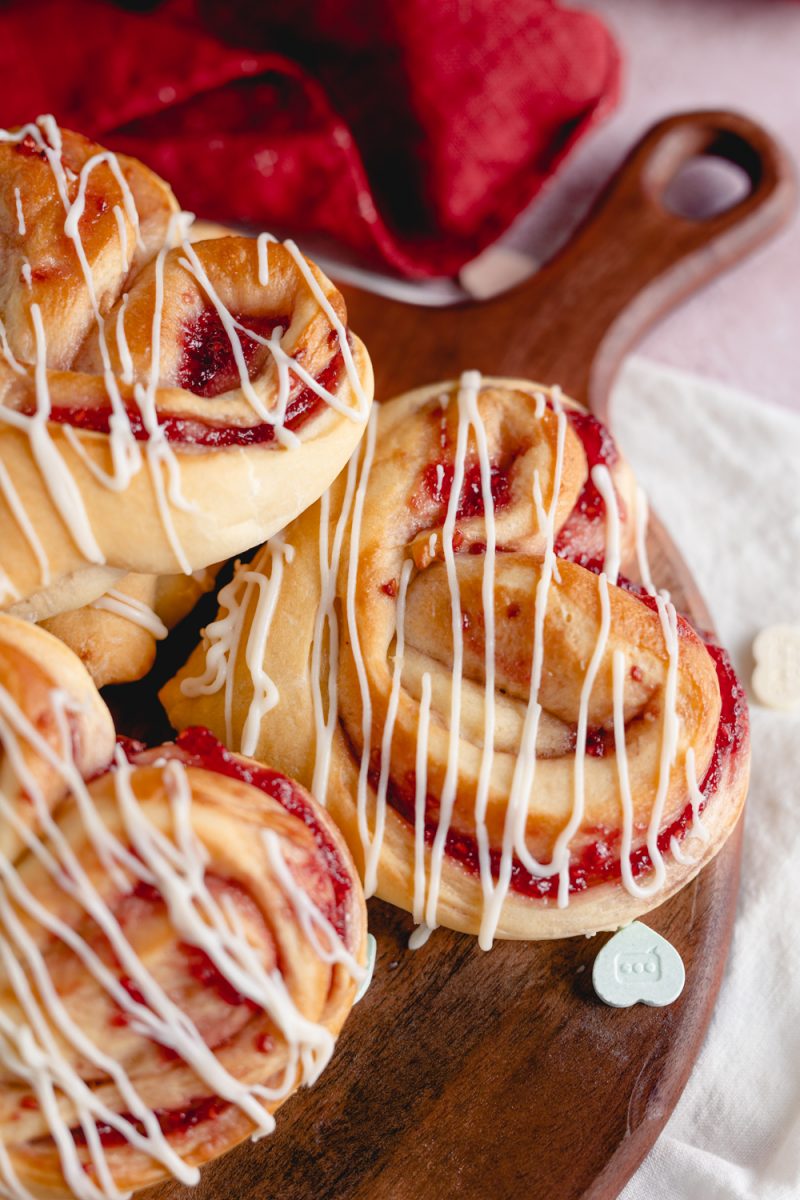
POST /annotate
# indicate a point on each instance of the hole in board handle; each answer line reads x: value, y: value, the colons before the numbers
x: 706, y: 186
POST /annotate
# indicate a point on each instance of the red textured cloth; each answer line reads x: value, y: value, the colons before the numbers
x: 410, y: 131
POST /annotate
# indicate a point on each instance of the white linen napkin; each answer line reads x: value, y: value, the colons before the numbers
x: 722, y: 470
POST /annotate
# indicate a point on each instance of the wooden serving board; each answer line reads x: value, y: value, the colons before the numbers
x: 500, y: 1076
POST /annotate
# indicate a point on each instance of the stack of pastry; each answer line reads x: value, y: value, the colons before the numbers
x: 437, y: 662
x: 149, y: 386
x: 182, y: 932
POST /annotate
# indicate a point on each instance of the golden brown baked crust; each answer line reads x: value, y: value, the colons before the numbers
x: 34, y: 667
x: 187, y: 930
x: 393, y: 583
x: 190, y: 398
x: 116, y: 636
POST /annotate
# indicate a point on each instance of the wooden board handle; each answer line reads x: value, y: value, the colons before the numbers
x: 633, y: 259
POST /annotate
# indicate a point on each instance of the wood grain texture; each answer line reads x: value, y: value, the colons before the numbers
x: 500, y: 1075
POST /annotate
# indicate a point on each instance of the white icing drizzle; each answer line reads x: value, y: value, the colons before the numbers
x: 191, y: 263
x: 495, y: 876
x: 122, y: 342
x: 262, y: 242
x: 133, y: 610
x: 697, y: 829
x: 363, y: 409
x: 224, y: 637
x: 642, y: 514
x: 680, y: 855
x: 7, y: 352
x: 355, y: 640
x: 469, y: 386
x: 373, y: 851
x: 313, y: 923
x: 525, y: 766
x: 128, y: 456
x: 55, y: 474
x: 8, y: 593
x: 20, y: 213
x: 696, y: 797
x: 119, y: 216
x: 420, y: 790
x: 326, y: 619
x: 561, y: 849
x: 419, y: 936
x: 41, y: 1046
x: 667, y: 755
x: 601, y: 478
x: 20, y: 515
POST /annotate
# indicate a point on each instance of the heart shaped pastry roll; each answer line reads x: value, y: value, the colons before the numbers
x: 513, y: 745
x: 182, y: 932
x: 164, y: 403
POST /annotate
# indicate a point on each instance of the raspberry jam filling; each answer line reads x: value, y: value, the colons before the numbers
x: 199, y: 748
x: 304, y: 403
x: 29, y: 148
x: 600, y: 450
x: 437, y: 479
x: 599, y: 861
x: 208, y: 365
x: 205, y: 971
x: 171, y: 1120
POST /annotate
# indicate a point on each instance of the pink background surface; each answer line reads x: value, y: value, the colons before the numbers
x: 744, y: 329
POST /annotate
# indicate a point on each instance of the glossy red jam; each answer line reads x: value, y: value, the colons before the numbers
x: 599, y: 861
x: 170, y: 1120
x: 600, y: 450
x: 209, y: 976
x: 200, y: 748
x: 207, y: 365
x: 437, y: 479
x: 599, y: 447
x: 304, y: 403
x: 29, y: 148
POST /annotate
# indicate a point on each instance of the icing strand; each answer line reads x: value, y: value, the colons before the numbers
x: 265, y: 692
x: 667, y: 755
x: 27, y: 528
x: 20, y: 213
x: 223, y: 638
x: 525, y: 765
x: 363, y: 409
x: 373, y: 851
x: 7, y: 352
x: 642, y: 517
x: 119, y: 216
x: 421, y: 787
x: 698, y: 828
x: 561, y: 855
x: 55, y: 474
x: 469, y: 386
x: 601, y: 478
x: 133, y: 610
x: 326, y: 618
x: 127, y: 456
x: 262, y: 242
x: 352, y: 629
x: 495, y: 875
x: 175, y: 864
x: 313, y: 923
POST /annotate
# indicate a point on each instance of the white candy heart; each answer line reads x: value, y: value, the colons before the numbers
x: 776, y: 679
x: 638, y: 966
x: 372, y: 948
